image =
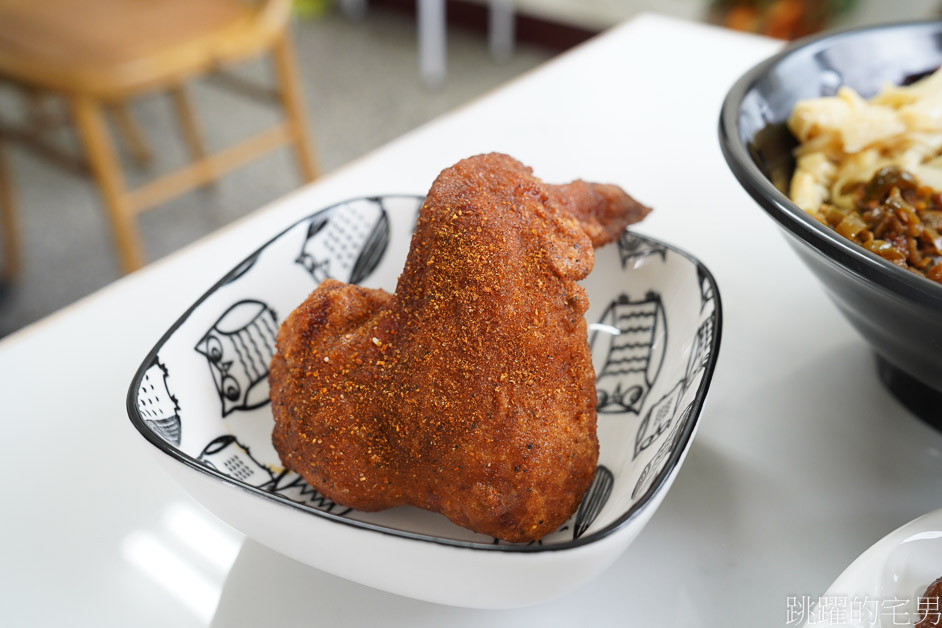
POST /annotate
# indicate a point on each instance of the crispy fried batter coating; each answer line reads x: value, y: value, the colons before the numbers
x: 470, y: 391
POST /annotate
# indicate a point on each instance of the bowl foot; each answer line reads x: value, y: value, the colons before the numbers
x: 922, y: 400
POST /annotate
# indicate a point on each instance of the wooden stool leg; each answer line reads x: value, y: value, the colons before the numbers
x: 132, y: 136
x: 9, y: 224
x: 290, y: 91
x: 191, y: 131
x: 90, y: 123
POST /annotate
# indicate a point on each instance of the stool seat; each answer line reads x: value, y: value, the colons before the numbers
x: 103, y: 47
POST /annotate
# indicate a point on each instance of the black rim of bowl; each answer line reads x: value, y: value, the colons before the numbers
x: 657, y: 484
x: 853, y: 259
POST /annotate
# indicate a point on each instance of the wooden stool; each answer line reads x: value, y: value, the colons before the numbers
x: 8, y: 224
x: 100, y: 54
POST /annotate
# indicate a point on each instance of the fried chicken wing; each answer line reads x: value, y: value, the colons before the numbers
x: 470, y: 391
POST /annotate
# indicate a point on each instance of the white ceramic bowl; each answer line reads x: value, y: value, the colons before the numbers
x: 882, y: 587
x: 201, y: 398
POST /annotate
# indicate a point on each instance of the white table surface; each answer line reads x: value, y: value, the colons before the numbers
x: 801, y: 462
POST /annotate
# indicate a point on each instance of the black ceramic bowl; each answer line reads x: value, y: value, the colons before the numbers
x: 898, y: 312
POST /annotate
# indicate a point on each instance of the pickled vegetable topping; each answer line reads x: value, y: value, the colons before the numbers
x: 894, y: 216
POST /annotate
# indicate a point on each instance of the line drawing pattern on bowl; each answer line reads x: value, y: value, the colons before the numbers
x: 346, y: 245
x: 705, y: 333
x: 593, y: 502
x: 224, y: 418
x: 227, y: 455
x: 157, y: 405
x: 632, y: 248
x: 238, y: 349
x: 636, y: 334
x: 654, y: 466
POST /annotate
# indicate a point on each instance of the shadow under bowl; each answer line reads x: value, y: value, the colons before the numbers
x: 898, y: 312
